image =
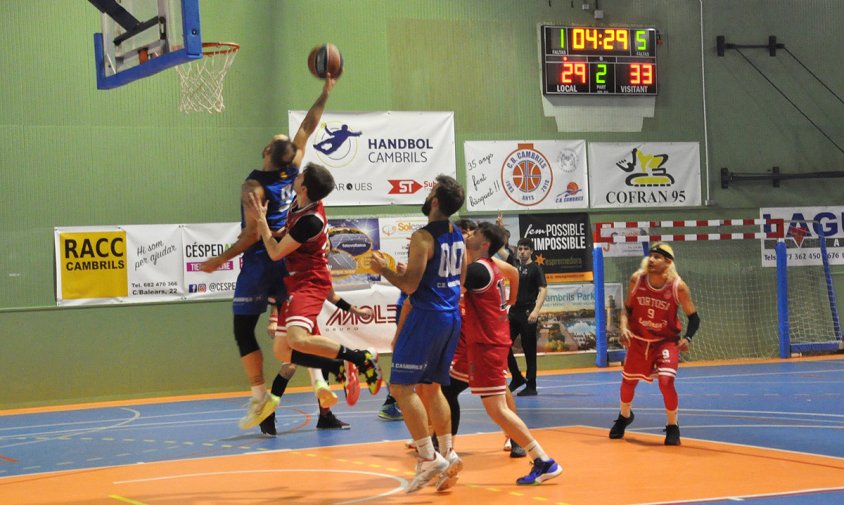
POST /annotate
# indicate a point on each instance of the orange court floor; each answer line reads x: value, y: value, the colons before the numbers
x: 766, y: 433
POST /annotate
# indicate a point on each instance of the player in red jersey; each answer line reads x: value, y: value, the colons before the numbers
x: 650, y: 330
x: 487, y: 333
x: 305, y: 245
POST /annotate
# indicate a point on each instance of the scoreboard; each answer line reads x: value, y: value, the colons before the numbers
x: 582, y: 60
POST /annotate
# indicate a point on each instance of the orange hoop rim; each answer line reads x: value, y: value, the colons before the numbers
x: 227, y: 47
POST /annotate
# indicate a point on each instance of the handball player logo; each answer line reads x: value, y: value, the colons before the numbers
x: 526, y: 175
x: 336, y: 144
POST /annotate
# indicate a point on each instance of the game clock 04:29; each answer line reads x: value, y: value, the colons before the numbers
x: 581, y: 60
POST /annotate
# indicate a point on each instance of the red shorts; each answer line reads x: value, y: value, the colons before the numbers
x: 460, y: 362
x: 306, y: 295
x: 644, y: 359
x: 487, y: 363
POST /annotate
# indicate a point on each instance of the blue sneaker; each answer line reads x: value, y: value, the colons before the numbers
x: 390, y: 412
x: 541, y: 471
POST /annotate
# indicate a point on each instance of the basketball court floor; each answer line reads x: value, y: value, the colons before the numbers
x: 757, y: 432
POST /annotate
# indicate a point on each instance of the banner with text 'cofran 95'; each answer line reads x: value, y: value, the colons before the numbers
x: 526, y: 175
x: 381, y: 158
x: 652, y: 174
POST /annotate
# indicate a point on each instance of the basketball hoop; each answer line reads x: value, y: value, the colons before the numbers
x: 202, y: 79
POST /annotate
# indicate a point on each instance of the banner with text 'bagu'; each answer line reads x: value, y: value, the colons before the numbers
x: 526, y: 175
x: 650, y: 174
x: 380, y: 158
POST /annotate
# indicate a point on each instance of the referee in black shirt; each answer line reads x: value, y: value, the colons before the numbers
x: 524, y: 315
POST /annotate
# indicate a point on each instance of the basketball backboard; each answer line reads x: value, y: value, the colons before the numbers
x: 143, y: 37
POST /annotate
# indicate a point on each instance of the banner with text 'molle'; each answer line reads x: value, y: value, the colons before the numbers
x: 381, y: 158
x: 526, y: 175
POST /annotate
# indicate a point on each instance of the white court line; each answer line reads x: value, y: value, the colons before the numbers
x: 744, y: 497
x: 402, y: 482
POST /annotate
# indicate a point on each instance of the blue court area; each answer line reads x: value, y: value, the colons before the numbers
x: 795, y: 406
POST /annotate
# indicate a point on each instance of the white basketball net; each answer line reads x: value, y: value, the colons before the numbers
x: 202, y: 79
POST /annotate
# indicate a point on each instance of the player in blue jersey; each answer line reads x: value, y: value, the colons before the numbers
x: 426, y: 341
x: 260, y: 277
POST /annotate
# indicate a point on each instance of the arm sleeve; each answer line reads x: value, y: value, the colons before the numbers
x: 694, y: 324
x: 477, y: 276
x: 306, y: 228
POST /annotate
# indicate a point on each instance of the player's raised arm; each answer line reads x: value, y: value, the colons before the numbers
x: 311, y: 121
x: 419, y: 252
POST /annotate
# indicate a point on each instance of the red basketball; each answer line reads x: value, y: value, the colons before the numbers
x: 325, y: 59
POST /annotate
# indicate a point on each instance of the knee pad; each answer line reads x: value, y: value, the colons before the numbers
x: 244, y: 333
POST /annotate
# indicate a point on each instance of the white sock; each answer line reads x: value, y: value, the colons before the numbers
x: 317, y: 379
x: 535, y: 451
x: 444, y: 443
x: 425, y: 448
x: 259, y: 391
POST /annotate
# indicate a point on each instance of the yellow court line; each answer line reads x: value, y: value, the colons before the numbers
x: 125, y: 500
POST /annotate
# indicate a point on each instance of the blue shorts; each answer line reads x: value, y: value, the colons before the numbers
x: 259, y: 278
x: 425, y: 346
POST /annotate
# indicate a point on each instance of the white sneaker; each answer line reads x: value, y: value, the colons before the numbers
x: 259, y: 410
x: 448, y: 478
x: 508, y: 445
x: 325, y: 395
x: 426, y: 470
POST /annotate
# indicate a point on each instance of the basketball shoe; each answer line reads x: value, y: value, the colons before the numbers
x: 540, y: 472
x: 258, y: 410
x: 621, y: 423
x: 426, y: 470
x: 448, y: 478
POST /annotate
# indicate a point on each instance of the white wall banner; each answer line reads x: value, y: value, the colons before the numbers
x: 396, y: 232
x: 372, y: 332
x: 381, y: 158
x: 620, y: 249
x: 651, y: 174
x: 804, y: 227
x: 201, y: 242
x: 526, y: 175
x: 154, y: 256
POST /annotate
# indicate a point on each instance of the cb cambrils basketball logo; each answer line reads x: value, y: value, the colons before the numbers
x: 526, y: 175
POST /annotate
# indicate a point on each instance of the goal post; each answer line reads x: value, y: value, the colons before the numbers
x: 747, y: 310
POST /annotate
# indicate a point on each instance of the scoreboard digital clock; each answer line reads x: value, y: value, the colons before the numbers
x: 582, y: 60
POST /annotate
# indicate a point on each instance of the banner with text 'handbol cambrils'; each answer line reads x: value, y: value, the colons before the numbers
x: 526, y: 175
x: 381, y: 158
x: 652, y: 174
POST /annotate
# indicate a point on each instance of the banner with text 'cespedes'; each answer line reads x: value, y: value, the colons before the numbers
x: 381, y: 158
x: 526, y: 175
x: 650, y: 174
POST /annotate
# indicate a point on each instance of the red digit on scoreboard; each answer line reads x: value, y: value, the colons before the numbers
x: 573, y: 72
x: 641, y: 74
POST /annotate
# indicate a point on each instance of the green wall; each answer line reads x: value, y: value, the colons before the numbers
x: 72, y: 155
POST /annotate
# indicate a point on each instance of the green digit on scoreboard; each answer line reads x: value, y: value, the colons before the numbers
x: 562, y: 38
x: 641, y: 40
x: 600, y: 75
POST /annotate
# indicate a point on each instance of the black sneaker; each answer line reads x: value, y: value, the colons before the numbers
x: 672, y: 434
x: 329, y: 421
x: 516, y: 450
x: 617, y: 430
x: 528, y: 391
x: 516, y: 382
x: 268, y: 425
